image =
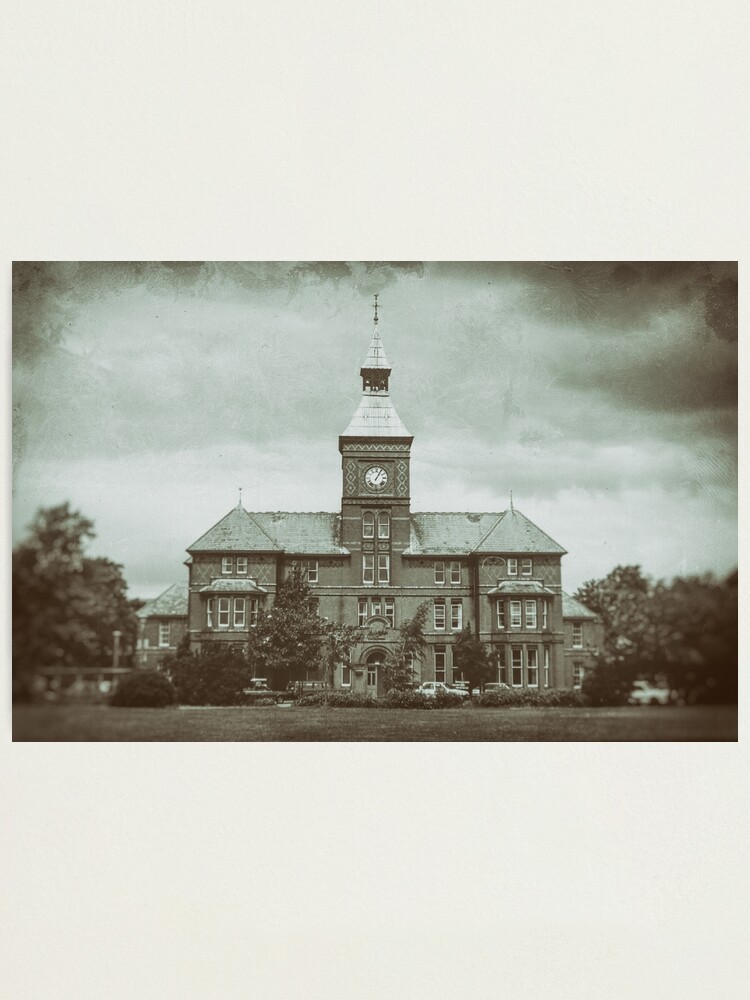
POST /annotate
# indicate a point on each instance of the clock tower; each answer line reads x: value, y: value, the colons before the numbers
x: 375, y: 456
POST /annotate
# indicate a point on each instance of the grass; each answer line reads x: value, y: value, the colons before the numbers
x: 101, y: 723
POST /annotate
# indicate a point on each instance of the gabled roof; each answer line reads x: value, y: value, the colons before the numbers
x: 514, y: 532
x: 237, y: 531
x: 173, y: 602
x: 307, y: 533
x: 233, y: 586
x: 572, y: 608
x: 294, y: 532
x: 520, y: 587
x: 376, y: 417
x: 510, y: 532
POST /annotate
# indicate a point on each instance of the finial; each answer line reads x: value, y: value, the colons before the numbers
x: 512, y: 508
x: 376, y: 308
x: 239, y: 502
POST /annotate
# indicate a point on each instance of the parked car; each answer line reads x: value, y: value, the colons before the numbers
x: 496, y: 686
x: 646, y: 693
x: 431, y: 688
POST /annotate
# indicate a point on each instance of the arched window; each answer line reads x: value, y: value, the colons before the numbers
x: 384, y: 525
x: 368, y: 524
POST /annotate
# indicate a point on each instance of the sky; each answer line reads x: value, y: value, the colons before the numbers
x: 602, y: 395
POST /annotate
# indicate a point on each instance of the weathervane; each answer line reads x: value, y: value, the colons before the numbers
x: 239, y: 503
x: 511, y: 501
x: 376, y: 308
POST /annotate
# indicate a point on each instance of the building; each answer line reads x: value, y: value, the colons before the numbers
x: 374, y: 561
x: 583, y: 638
x: 162, y: 624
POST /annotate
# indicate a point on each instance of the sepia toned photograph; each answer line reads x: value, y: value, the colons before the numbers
x: 374, y: 501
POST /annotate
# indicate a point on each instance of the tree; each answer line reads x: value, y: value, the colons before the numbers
x: 337, y: 644
x: 470, y: 656
x: 398, y: 668
x: 684, y: 631
x: 215, y: 676
x: 287, y: 639
x: 65, y: 605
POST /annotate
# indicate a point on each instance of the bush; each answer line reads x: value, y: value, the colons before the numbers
x: 536, y: 699
x: 446, y: 699
x: 407, y: 699
x: 145, y: 689
x: 337, y: 699
x: 212, y: 677
x: 262, y: 701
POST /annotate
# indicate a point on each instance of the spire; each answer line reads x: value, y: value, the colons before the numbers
x: 512, y: 508
x: 239, y: 502
x: 375, y: 416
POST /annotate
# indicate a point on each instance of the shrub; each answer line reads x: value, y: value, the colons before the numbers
x: 266, y: 700
x: 407, y: 699
x: 518, y: 698
x: 213, y: 677
x: 337, y: 699
x: 533, y: 699
x: 446, y: 699
x: 145, y: 689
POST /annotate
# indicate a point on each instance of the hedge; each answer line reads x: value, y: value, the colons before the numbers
x: 145, y: 689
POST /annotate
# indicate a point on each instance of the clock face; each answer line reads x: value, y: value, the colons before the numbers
x: 376, y: 478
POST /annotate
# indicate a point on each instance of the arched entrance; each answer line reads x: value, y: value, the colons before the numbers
x: 373, y: 671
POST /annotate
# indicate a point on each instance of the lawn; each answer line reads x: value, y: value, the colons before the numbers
x: 101, y: 723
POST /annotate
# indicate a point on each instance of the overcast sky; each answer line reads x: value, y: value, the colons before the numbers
x: 603, y: 395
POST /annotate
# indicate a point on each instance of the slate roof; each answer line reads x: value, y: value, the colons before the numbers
x: 376, y: 354
x: 233, y: 586
x: 376, y: 417
x: 310, y: 533
x: 520, y: 587
x: 455, y: 533
x: 172, y: 603
x: 574, y: 609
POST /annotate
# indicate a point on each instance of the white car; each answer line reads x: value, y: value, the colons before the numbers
x: 646, y: 693
x: 431, y: 688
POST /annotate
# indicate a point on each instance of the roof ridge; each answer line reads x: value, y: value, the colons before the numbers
x: 489, y: 532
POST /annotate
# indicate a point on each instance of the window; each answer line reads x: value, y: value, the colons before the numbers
x: 439, y: 572
x: 390, y: 611
x: 384, y: 569
x: 224, y: 606
x: 312, y: 570
x: 368, y: 524
x: 372, y: 675
x: 526, y: 567
x: 439, y: 655
x: 384, y: 525
x: 512, y: 567
x: 226, y: 565
x: 532, y: 666
x: 361, y: 611
x: 239, y: 612
x: 242, y: 564
x: 544, y: 614
x: 346, y: 676
x: 515, y: 614
x: 209, y: 613
x: 577, y: 673
x: 500, y: 662
x: 253, y: 602
x: 438, y: 615
x: 368, y: 568
x: 577, y: 635
x: 530, y: 614
x: 516, y: 667
x: 546, y: 666
x: 375, y: 606
x: 163, y: 633
x: 457, y: 616
x: 455, y: 572
x: 501, y: 614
